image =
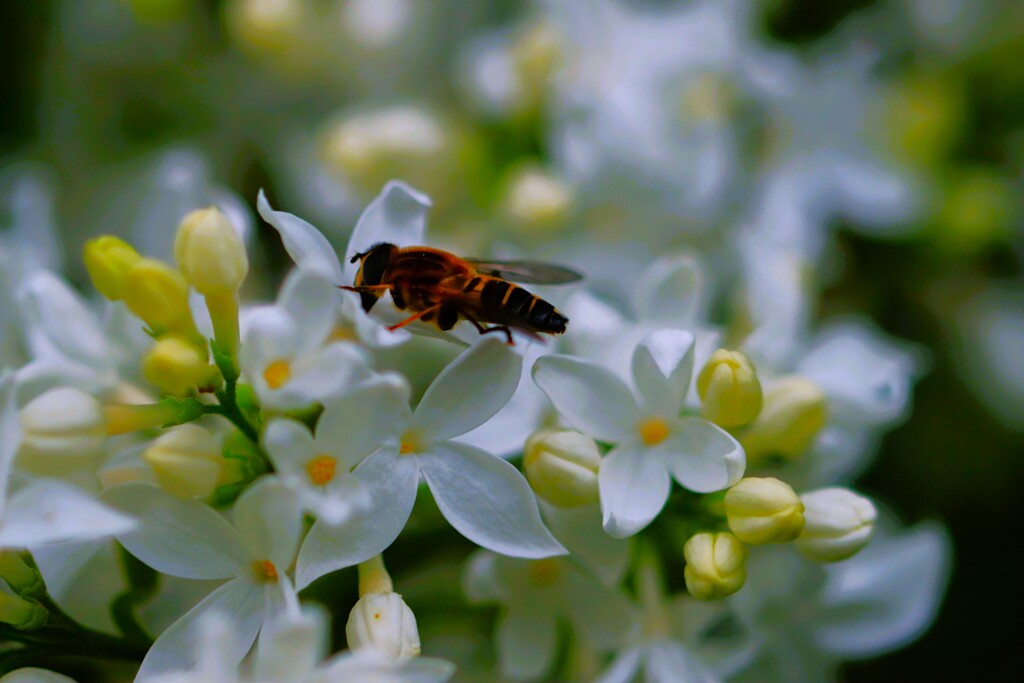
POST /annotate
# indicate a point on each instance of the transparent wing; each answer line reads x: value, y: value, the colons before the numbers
x: 528, y: 272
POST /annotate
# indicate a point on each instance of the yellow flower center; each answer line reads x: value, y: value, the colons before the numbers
x: 277, y: 373
x: 264, y: 570
x: 544, y: 572
x: 653, y: 431
x: 321, y: 469
x: 410, y: 443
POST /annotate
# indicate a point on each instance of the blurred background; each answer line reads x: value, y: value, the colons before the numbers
x: 878, y: 142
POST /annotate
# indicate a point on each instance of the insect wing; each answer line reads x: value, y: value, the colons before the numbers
x: 527, y: 272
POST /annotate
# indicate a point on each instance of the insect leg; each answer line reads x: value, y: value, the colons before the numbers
x: 365, y: 288
x: 415, y: 317
x: 484, y: 330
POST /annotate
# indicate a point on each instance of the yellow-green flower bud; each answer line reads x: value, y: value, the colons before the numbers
x: 562, y: 467
x: 108, y: 259
x: 210, y: 252
x: 729, y: 389
x: 20, y: 613
x: 764, y: 510
x: 839, y: 523
x: 158, y: 294
x: 62, y: 429
x: 716, y: 565
x: 383, y: 622
x: 188, y: 463
x: 177, y: 367
x: 536, y: 199
x: 794, y: 412
x: 271, y: 26
x: 18, y: 574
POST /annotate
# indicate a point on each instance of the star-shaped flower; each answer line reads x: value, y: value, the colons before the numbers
x: 651, y: 439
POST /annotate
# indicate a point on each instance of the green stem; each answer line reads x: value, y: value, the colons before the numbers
x: 229, y: 409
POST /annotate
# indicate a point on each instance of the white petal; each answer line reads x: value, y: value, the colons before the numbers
x: 704, y: 457
x: 604, y: 614
x: 487, y: 500
x: 668, y: 662
x: 886, y: 595
x: 177, y: 648
x: 662, y: 367
x: 589, y: 397
x: 526, y: 640
x: 392, y: 482
x: 480, y: 580
x: 178, y: 537
x: 48, y: 511
x: 311, y: 300
x: 450, y: 408
x: 354, y: 424
x: 269, y: 522
x: 305, y: 244
x: 595, y: 551
x: 10, y: 434
x: 291, y: 644
x: 397, y: 215
x: 57, y: 320
x: 670, y: 291
x: 372, y: 667
x: 33, y: 675
x: 289, y: 445
x: 634, y: 486
x: 326, y: 373
x: 623, y: 669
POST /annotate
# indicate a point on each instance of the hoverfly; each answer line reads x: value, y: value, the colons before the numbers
x: 439, y: 287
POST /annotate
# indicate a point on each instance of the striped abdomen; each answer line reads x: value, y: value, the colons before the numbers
x: 503, y: 302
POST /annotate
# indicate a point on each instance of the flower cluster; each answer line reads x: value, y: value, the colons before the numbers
x: 267, y: 446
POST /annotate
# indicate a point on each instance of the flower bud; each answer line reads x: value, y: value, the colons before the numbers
x: 187, y: 462
x: 20, y: 613
x: 536, y: 199
x: 383, y: 622
x: 794, y: 412
x: 729, y: 389
x: 716, y: 565
x: 62, y: 429
x: 177, y: 366
x: 562, y: 467
x: 271, y: 26
x: 108, y: 259
x: 839, y: 523
x: 132, y: 417
x: 764, y: 510
x: 20, y: 575
x: 156, y: 293
x: 210, y: 252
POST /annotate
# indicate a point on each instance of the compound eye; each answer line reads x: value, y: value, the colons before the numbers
x: 374, y: 265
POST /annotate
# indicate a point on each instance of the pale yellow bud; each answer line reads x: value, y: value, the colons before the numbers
x: 156, y: 293
x: 20, y: 613
x: 62, y: 429
x: 562, y: 467
x: 839, y: 523
x: 210, y: 252
x: 729, y: 389
x: 108, y: 259
x: 794, y: 412
x: 383, y: 622
x: 188, y: 463
x: 536, y: 199
x: 716, y: 565
x: 267, y: 25
x: 764, y: 510
x: 177, y: 366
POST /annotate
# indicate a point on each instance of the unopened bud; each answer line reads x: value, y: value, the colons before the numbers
x: 839, y: 523
x: 383, y: 622
x: 157, y: 293
x: 562, y: 467
x: 188, y: 463
x: 62, y: 429
x: 267, y: 25
x: 19, y: 574
x: 20, y: 613
x: 210, y: 252
x: 794, y: 412
x: 536, y: 199
x: 764, y: 510
x: 716, y: 565
x: 177, y: 367
x: 108, y: 259
x: 729, y: 389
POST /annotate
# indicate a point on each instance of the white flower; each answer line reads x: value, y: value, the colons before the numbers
x: 383, y: 622
x: 651, y: 439
x: 485, y: 498
x: 371, y: 667
x: 287, y: 354
x: 839, y: 523
x: 62, y: 430
x: 187, y: 539
x: 319, y: 467
x: 536, y: 596
x: 44, y: 511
